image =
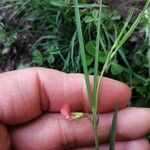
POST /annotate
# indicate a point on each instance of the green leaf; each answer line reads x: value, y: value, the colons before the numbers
x: 89, y: 59
x: 37, y: 57
x: 50, y: 59
x: 88, y: 19
x: 116, y: 69
x: 148, y: 57
x: 95, y: 14
x: 115, y: 16
x: 113, y: 130
x: 102, y: 57
x: 57, y: 3
x: 90, y: 48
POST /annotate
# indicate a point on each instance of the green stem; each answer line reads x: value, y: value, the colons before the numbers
x: 96, y: 138
x: 95, y: 128
x: 97, y: 54
x: 148, y: 53
x: 95, y: 108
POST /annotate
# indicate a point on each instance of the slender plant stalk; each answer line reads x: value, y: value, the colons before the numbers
x: 94, y: 109
x: 148, y: 37
x: 148, y: 53
x: 120, y: 40
x: 97, y: 52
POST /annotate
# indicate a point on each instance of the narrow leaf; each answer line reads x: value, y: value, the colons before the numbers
x: 148, y: 57
x: 96, y: 93
x: 131, y: 30
x: 113, y: 130
x: 82, y: 49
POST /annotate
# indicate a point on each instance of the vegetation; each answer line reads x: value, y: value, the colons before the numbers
x: 44, y: 33
x: 110, y: 54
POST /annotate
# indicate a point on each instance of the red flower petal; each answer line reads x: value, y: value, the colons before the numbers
x: 65, y: 111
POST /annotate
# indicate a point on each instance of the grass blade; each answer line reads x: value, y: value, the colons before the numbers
x: 82, y: 49
x: 132, y: 28
x: 123, y: 29
x: 113, y: 130
x: 119, y: 42
x: 96, y: 58
x: 113, y: 47
x: 148, y: 52
x: 148, y: 57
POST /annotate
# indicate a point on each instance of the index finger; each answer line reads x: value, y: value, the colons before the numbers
x: 24, y: 94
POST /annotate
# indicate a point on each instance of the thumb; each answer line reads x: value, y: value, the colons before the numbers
x: 4, y: 138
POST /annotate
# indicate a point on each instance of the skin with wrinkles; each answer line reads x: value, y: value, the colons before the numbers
x: 30, y: 103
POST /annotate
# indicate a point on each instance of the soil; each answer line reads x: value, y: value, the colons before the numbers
x: 124, y: 6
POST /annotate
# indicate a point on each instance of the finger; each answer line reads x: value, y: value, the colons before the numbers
x: 4, y: 138
x: 24, y: 94
x: 140, y: 144
x: 53, y: 131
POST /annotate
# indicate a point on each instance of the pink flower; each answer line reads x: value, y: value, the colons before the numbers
x: 66, y: 112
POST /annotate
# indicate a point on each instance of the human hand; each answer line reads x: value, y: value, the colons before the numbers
x: 30, y: 102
